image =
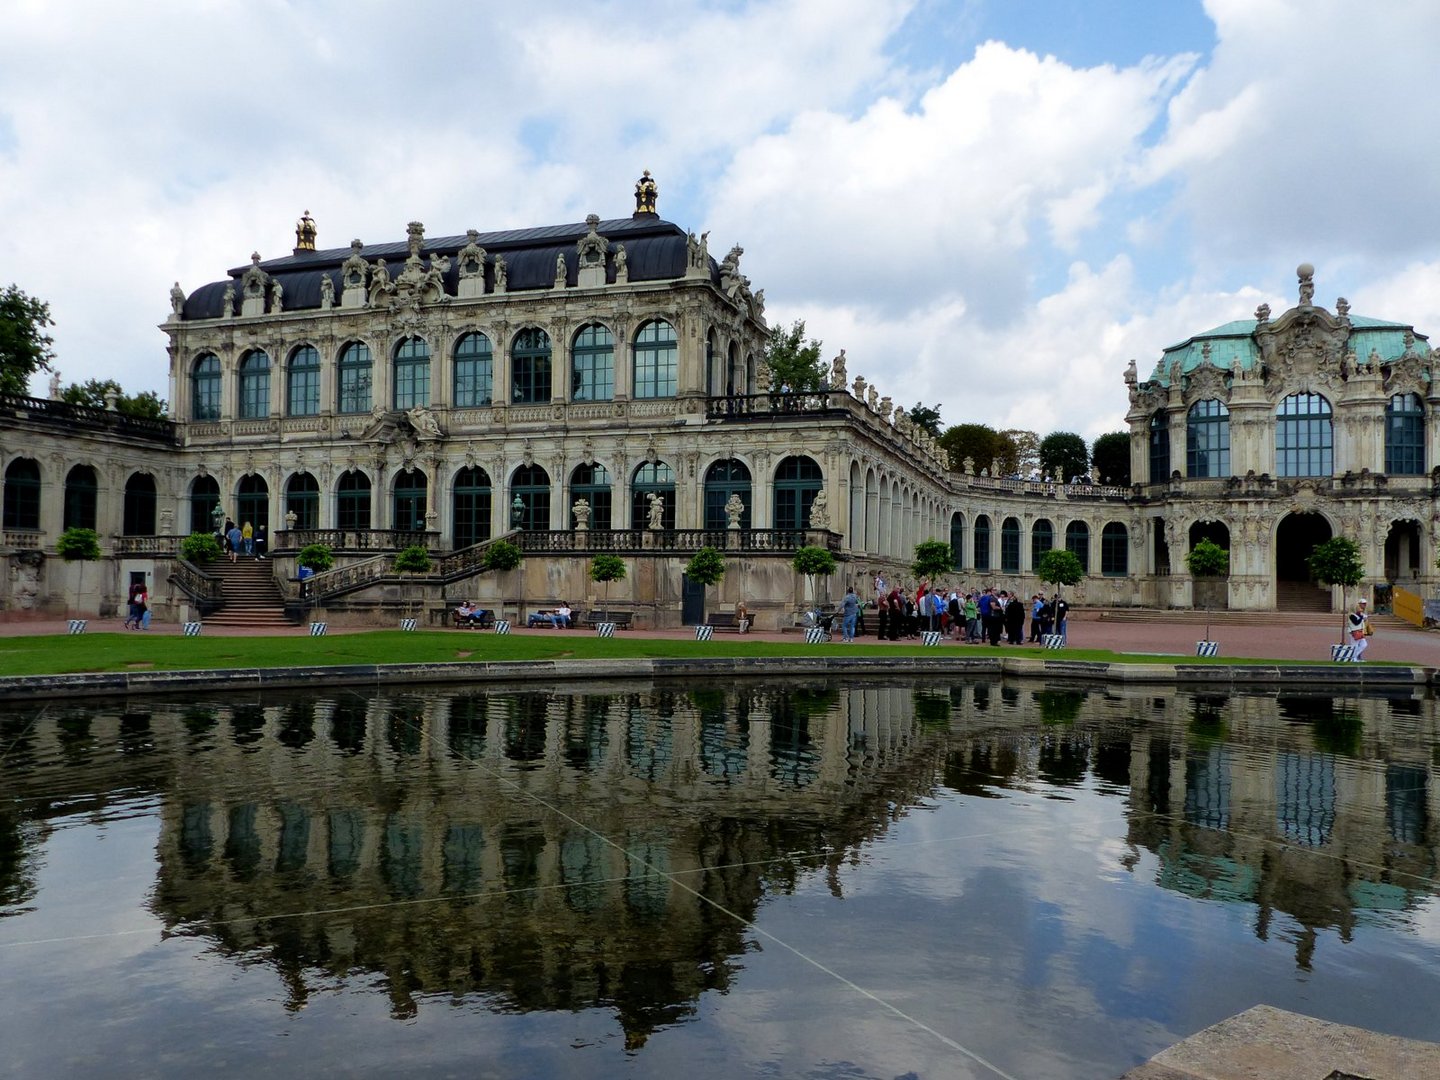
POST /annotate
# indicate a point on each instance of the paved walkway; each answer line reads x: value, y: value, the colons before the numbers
x: 1393, y: 641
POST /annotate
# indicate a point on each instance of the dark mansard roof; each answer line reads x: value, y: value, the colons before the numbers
x: 655, y: 250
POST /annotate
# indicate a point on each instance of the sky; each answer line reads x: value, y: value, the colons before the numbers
x: 991, y: 205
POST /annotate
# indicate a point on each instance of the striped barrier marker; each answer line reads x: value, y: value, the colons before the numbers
x: 407, y: 624
x: 191, y: 629
x: 1207, y: 648
x: 77, y: 626
x: 1052, y: 641
x: 816, y: 635
x: 1342, y: 653
x: 704, y: 633
x: 317, y: 629
x: 502, y: 626
x: 605, y: 629
x: 929, y: 637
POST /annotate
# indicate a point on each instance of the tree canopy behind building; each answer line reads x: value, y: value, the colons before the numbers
x: 794, y: 362
x: 93, y: 392
x: 1111, y: 458
x: 25, y: 348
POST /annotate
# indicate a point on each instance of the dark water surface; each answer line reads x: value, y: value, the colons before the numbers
x: 770, y: 880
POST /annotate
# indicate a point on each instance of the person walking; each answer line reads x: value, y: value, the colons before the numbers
x: 849, y: 612
x: 247, y: 534
x: 261, y: 539
x: 1360, y: 631
x: 234, y: 537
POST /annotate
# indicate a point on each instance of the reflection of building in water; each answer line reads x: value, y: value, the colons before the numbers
x: 557, y: 851
x: 1317, y: 808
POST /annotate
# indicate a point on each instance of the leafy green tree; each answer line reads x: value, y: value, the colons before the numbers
x: 813, y: 562
x: 414, y: 559
x: 502, y: 556
x: 1063, y: 455
x: 147, y: 404
x: 25, y: 348
x: 1207, y: 559
x: 316, y: 557
x: 78, y: 545
x: 607, y: 568
x: 926, y: 417
x: 1059, y: 566
x: 1111, y: 457
x: 200, y: 548
x: 978, y: 442
x: 1337, y: 562
x: 793, y: 361
x: 1018, y: 453
x: 933, y: 558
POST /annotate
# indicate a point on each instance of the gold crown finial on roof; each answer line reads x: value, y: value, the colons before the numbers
x: 305, y: 233
x: 645, y: 195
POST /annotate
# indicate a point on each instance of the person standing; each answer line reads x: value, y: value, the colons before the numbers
x: 1062, y: 613
x: 261, y: 539
x: 849, y: 612
x: 142, y: 603
x: 247, y: 535
x: 1360, y: 631
x: 233, y: 535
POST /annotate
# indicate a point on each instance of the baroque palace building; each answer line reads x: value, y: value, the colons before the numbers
x: 601, y: 387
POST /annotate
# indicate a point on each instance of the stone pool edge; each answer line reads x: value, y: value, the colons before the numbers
x: 1277, y: 674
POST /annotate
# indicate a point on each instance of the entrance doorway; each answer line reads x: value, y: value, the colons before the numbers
x: 692, y: 601
x: 1298, y: 536
x: 1402, y: 552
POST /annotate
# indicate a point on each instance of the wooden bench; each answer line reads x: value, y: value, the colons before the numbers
x: 621, y: 619
x: 542, y: 617
x: 728, y: 621
x: 481, y: 620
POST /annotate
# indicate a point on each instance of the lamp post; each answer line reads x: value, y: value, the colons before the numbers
x: 517, y: 512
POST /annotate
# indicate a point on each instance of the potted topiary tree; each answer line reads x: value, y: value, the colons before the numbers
x: 502, y: 556
x: 605, y: 569
x: 706, y: 567
x: 1207, y: 561
x: 1337, y: 562
x: 414, y: 559
x: 78, y: 545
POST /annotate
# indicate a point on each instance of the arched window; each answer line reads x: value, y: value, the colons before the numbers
x: 982, y: 543
x: 474, y: 371
x: 1304, y: 437
x: 302, y: 498
x: 254, y: 386
x: 652, y: 478
x: 1042, y: 539
x: 531, y: 485
x: 712, y: 376
x: 356, y: 376
x: 957, y: 541
x: 204, y: 498
x: 82, y: 498
x: 1207, y: 439
x: 303, y: 393
x: 412, y: 373
x: 1114, y: 550
x: 592, y: 483
x: 470, y: 507
x: 530, y: 369
x: 205, y: 388
x: 797, y: 481
x: 655, y: 360
x: 1159, y: 448
x: 252, y: 500
x: 139, y: 517
x: 1010, y: 546
x: 352, y: 501
x: 410, y: 500
x: 1077, y: 541
x: 22, y: 494
x: 592, y: 364
x: 1405, y: 435
x: 723, y: 479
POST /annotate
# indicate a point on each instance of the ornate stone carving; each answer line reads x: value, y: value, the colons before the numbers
x: 591, y: 248
x: 470, y: 259
x: 354, y: 268
x: 327, y: 293
x: 820, y: 511
x: 837, y: 371
x: 734, y: 510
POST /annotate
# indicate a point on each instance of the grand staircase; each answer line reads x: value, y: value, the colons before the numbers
x: 251, y: 597
x: 1301, y: 596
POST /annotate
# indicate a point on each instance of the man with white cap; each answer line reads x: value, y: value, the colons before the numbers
x: 1359, y: 630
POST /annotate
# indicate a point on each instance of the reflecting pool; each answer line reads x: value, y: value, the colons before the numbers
x: 822, y: 880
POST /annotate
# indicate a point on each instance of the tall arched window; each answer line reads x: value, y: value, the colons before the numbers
x: 474, y: 371
x: 254, y: 386
x: 723, y: 479
x: 302, y: 498
x: 252, y: 500
x: 470, y: 507
x: 957, y: 541
x: 1159, y: 448
x: 982, y: 543
x: 22, y: 494
x: 652, y: 478
x: 356, y: 377
x: 204, y: 497
x: 205, y: 388
x: 303, y: 392
x: 797, y: 481
x: 82, y: 498
x: 592, y: 483
x: 1115, y: 550
x: 531, y: 485
x: 139, y: 517
x: 1042, y: 539
x: 412, y: 373
x: 352, y: 501
x: 409, y: 502
x: 1207, y: 439
x: 1010, y: 546
x: 592, y: 364
x: 1405, y: 435
x: 530, y: 368
x: 1077, y: 541
x: 1304, y: 437
x: 655, y: 360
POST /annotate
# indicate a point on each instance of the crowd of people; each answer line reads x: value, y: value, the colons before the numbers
x: 248, y: 540
x: 975, y: 617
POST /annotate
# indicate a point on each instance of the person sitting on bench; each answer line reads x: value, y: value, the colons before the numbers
x: 560, y: 617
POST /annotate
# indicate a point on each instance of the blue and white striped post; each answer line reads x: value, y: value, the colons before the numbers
x: 1207, y: 648
x: 407, y: 624
x: 77, y: 626
x: 816, y: 635
x: 1342, y: 653
x: 605, y: 629
x: 191, y: 629
x: 502, y: 626
x: 317, y: 629
x: 929, y: 637
x: 704, y: 633
x: 1052, y: 641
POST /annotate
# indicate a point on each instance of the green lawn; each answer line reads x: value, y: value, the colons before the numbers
x: 54, y: 654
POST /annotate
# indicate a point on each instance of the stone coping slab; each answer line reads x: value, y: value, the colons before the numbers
x: 1266, y: 1043
x: 1209, y: 676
